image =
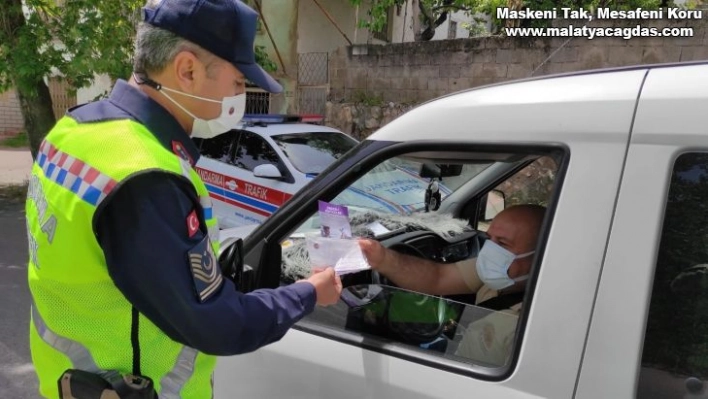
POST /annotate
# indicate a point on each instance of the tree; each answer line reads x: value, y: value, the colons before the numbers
x: 434, y: 13
x: 72, y: 39
x: 75, y: 41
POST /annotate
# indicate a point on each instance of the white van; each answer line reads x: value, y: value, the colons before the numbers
x: 617, y: 302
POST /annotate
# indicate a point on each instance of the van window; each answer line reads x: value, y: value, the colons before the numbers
x: 675, y: 354
x: 470, y: 327
x: 531, y: 185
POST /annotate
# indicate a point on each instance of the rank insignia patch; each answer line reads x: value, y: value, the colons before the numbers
x: 205, y: 270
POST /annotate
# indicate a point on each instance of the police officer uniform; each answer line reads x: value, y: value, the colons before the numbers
x: 122, y: 271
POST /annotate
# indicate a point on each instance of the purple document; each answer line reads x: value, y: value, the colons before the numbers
x: 334, y: 221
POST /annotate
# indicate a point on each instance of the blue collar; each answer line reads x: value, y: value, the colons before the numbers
x: 128, y: 102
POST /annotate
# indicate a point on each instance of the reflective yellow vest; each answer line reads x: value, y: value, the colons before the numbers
x: 80, y: 319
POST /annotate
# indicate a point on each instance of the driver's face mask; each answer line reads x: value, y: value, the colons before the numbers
x: 493, y: 265
x: 232, y: 110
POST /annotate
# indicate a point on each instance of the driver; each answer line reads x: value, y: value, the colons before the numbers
x: 497, y: 276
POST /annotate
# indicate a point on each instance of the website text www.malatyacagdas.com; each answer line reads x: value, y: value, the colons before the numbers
x: 593, y: 32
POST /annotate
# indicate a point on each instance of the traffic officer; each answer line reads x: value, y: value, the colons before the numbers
x: 123, y: 272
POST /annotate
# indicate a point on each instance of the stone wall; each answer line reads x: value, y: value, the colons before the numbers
x: 410, y: 73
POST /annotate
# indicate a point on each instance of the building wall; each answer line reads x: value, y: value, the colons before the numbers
x: 101, y: 86
x: 442, y: 32
x: 281, y: 16
x: 415, y: 72
x: 317, y: 34
x: 386, y: 79
x: 10, y: 115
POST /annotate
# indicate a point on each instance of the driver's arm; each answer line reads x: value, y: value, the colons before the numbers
x: 421, y: 275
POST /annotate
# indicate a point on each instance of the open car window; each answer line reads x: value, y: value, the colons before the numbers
x: 391, y: 194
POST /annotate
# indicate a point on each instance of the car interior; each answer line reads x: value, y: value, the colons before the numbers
x: 478, y: 185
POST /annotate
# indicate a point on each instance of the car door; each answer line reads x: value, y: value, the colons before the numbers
x: 583, y: 121
x: 648, y: 336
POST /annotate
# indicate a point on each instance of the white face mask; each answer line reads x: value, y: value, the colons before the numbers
x: 232, y: 110
x: 493, y: 265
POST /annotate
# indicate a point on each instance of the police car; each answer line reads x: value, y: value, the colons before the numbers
x: 253, y: 171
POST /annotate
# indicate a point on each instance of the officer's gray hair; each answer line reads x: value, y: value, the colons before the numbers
x: 155, y: 48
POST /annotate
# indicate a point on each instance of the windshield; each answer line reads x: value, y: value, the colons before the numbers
x: 395, y: 187
x: 313, y: 152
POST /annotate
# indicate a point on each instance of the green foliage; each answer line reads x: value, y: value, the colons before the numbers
x: 76, y: 40
x: 476, y: 28
x: 264, y: 60
x: 364, y: 98
x: 432, y: 9
x: 19, y: 141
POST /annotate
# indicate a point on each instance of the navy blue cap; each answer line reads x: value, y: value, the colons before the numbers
x: 226, y: 28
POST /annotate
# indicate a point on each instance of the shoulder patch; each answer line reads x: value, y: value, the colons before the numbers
x: 205, y: 271
x: 192, y: 223
x: 180, y: 151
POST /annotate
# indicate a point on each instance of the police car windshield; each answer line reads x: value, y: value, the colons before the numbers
x: 315, y: 151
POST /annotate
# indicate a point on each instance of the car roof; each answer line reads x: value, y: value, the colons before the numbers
x: 285, y: 128
x: 560, y: 108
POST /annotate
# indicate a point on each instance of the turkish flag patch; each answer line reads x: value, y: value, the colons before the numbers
x: 192, y: 223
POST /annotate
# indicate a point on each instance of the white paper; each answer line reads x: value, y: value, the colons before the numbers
x: 343, y: 255
x: 377, y: 228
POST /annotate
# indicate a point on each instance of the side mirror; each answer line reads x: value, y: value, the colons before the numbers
x: 267, y: 171
x: 495, y: 203
x: 232, y: 265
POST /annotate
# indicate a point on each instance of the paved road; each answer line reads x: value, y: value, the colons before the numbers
x: 17, y: 378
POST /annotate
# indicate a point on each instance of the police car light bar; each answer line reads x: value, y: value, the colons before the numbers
x: 312, y: 118
x: 270, y: 118
x: 281, y: 118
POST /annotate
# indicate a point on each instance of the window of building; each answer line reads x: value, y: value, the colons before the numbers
x: 452, y: 30
x: 675, y: 354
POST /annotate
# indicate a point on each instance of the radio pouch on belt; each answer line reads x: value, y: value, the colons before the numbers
x: 79, y: 384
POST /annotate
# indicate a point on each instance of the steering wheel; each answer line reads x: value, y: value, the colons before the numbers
x: 403, y: 248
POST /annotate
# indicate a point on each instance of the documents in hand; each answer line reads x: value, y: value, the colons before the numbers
x: 342, y: 254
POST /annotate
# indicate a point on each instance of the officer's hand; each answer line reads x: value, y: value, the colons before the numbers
x: 374, y: 252
x: 328, y: 286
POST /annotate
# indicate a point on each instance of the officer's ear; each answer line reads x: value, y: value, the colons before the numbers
x: 188, y: 70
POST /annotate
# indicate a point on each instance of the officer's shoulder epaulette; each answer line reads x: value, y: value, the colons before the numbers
x: 99, y: 111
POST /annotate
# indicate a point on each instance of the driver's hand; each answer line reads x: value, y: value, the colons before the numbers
x: 374, y: 252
